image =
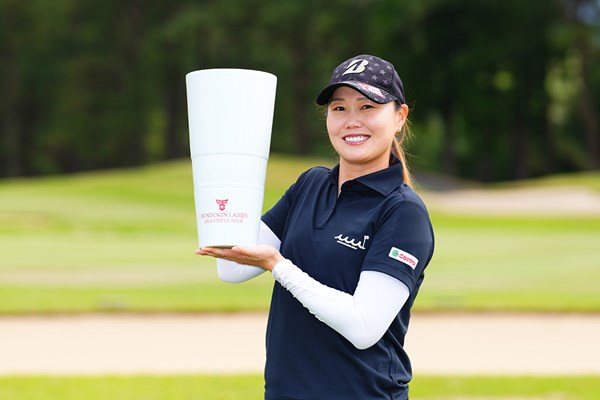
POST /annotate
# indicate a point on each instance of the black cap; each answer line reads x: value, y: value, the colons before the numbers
x: 374, y: 77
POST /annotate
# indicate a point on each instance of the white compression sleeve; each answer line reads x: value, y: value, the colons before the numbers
x: 233, y: 272
x: 361, y: 318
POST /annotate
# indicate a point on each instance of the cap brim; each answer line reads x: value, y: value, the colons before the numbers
x: 371, y: 92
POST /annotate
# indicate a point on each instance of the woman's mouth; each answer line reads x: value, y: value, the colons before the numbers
x: 356, y: 139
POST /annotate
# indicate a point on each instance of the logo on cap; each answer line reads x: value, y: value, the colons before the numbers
x: 356, y: 66
x: 372, y: 89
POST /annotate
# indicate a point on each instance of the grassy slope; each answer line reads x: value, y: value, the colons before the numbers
x: 124, y: 240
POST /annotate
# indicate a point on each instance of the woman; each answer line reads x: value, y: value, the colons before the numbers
x: 347, y: 248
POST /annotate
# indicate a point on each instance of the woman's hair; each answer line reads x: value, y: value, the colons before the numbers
x: 398, y: 148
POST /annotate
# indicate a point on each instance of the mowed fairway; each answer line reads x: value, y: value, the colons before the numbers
x: 123, y: 241
x: 250, y: 387
x: 514, y: 263
x: 116, y: 241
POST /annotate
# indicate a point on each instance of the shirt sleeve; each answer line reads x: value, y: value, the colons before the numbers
x: 275, y: 218
x: 402, y: 245
x: 233, y: 272
x: 362, y: 318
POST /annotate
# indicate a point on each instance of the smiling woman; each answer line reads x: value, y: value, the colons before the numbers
x: 361, y: 131
x: 347, y: 247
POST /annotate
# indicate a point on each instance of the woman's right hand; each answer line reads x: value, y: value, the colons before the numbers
x: 262, y: 256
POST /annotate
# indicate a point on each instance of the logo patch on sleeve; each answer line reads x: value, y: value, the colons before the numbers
x: 404, y: 257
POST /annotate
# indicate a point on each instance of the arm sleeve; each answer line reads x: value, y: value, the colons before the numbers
x: 233, y: 272
x: 362, y: 318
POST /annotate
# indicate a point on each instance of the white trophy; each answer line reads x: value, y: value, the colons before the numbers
x: 230, y: 113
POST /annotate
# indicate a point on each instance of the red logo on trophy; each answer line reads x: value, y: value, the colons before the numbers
x: 222, y: 204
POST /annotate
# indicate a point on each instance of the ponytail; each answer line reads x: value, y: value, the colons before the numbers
x: 398, y: 150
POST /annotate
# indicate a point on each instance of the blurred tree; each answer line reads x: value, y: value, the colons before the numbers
x: 301, y: 42
x: 11, y: 19
x: 498, y: 90
x: 582, y: 19
x: 185, y: 36
x: 481, y: 68
x: 103, y: 105
x: 30, y: 71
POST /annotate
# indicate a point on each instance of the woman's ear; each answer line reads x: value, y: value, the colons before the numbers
x: 402, y: 114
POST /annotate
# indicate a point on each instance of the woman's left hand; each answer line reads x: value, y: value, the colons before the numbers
x: 263, y: 256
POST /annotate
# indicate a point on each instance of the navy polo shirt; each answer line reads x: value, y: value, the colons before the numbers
x: 376, y: 223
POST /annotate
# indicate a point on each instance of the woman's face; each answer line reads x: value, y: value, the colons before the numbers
x: 361, y: 131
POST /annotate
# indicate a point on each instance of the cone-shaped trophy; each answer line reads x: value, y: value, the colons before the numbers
x: 230, y: 113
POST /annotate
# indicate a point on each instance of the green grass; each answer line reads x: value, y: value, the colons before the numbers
x: 123, y: 241
x: 120, y: 240
x: 250, y: 387
x: 517, y: 264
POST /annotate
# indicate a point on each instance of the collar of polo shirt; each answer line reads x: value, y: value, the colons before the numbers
x: 384, y: 181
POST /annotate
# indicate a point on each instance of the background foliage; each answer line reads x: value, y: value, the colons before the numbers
x: 499, y: 89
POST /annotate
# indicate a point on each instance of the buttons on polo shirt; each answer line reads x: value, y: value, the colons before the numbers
x: 347, y: 186
x: 354, y: 186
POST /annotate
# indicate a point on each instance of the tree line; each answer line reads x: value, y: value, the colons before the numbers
x: 498, y: 89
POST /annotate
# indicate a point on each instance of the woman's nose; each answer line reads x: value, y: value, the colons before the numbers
x: 353, y: 120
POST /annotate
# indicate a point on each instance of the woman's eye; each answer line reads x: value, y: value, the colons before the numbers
x: 338, y: 108
x: 367, y: 106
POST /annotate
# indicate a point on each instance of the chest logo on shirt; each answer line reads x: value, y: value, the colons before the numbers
x: 404, y: 257
x: 346, y: 241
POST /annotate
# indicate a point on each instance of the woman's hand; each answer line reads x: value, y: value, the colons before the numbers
x: 263, y: 256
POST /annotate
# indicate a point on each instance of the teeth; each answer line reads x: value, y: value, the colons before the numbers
x: 356, y: 139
